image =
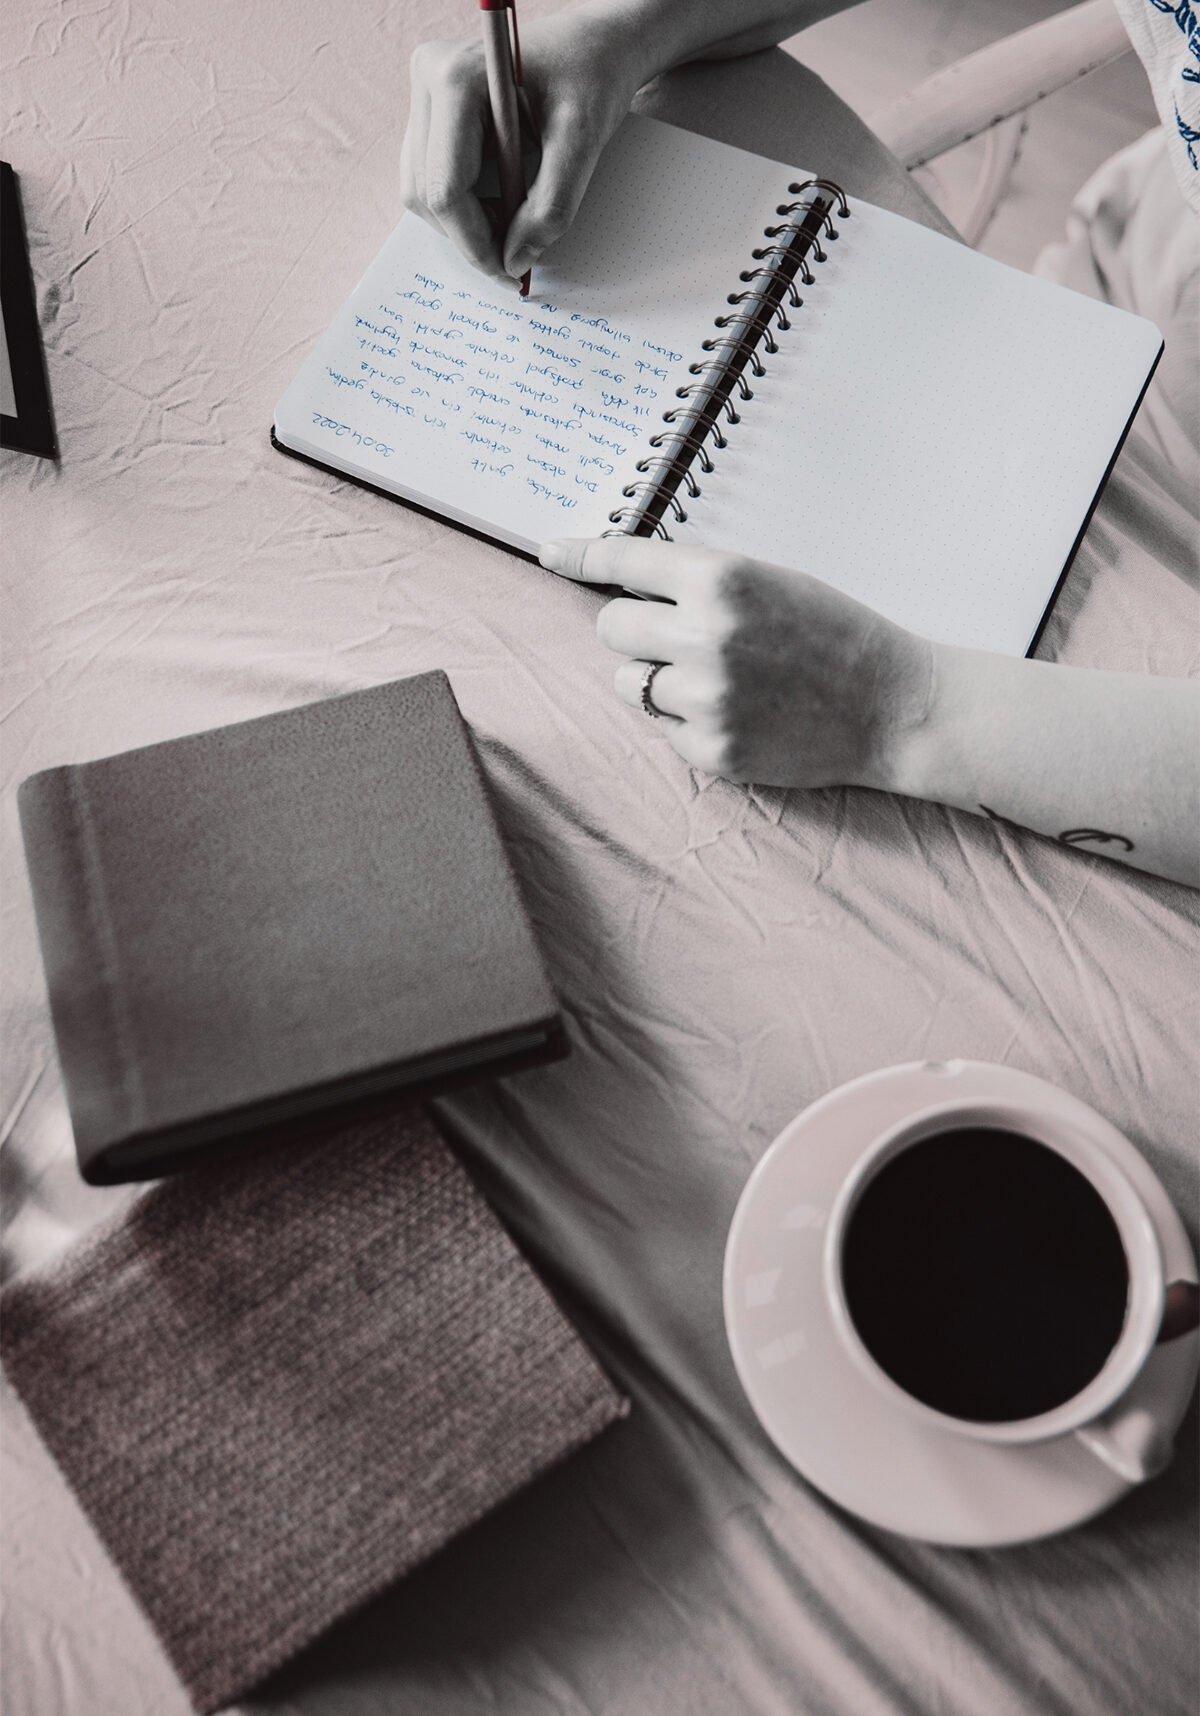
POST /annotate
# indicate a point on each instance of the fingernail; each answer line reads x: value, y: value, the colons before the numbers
x: 522, y: 262
x: 553, y: 555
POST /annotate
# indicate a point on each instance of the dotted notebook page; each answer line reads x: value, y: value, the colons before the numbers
x: 525, y: 419
x: 931, y: 435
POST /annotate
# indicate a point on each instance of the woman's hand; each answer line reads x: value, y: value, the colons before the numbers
x: 581, y: 71
x: 770, y: 675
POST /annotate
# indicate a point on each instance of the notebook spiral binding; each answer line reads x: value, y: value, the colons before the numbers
x: 797, y: 244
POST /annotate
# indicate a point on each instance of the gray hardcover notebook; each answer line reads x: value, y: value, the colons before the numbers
x: 274, y: 920
x: 275, y: 1386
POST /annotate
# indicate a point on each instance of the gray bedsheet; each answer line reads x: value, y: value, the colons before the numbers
x: 203, y: 184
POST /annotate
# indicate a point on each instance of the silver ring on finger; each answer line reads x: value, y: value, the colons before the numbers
x: 648, y: 704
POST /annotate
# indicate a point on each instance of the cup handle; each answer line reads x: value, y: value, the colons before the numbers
x: 1130, y: 1442
x: 1181, y: 1311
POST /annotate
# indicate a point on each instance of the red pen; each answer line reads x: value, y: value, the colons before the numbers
x: 503, y: 55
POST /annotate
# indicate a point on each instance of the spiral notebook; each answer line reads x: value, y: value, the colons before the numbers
x: 727, y: 351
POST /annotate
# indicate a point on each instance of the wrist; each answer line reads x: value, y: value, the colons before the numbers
x: 914, y: 725
x: 649, y: 37
x: 656, y: 35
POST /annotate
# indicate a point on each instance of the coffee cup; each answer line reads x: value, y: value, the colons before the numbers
x: 993, y: 1270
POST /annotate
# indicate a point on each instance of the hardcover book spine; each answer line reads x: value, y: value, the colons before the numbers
x: 79, y: 957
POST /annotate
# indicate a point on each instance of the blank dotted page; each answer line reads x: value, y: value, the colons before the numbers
x: 526, y: 418
x: 931, y: 435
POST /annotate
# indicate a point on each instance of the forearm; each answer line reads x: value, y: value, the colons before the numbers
x: 665, y: 33
x: 1108, y: 762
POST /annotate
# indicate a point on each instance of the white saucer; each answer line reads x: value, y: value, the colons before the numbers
x: 825, y: 1416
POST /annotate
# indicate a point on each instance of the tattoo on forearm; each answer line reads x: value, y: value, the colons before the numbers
x: 1069, y: 836
x: 1097, y: 836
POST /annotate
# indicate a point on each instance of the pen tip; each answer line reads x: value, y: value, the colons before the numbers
x: 525, y: 282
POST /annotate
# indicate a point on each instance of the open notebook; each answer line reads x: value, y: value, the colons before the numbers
x: 929, y: 431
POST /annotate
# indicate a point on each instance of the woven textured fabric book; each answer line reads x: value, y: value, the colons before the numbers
x: 291, y: 916
x: 729, y: 352
x: 276, y: 1385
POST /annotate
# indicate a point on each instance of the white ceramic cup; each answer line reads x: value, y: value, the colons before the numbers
x: 1125, y: 1438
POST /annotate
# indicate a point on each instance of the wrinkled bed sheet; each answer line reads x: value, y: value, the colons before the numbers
x: 203, y: 184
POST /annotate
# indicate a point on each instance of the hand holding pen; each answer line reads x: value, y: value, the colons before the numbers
x: 579, y: 76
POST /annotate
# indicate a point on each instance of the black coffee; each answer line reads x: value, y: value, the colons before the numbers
x: 985, y: 1275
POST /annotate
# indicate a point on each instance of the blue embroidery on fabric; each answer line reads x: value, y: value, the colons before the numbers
x: 1190, y: 136
x: 1185, y: 16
